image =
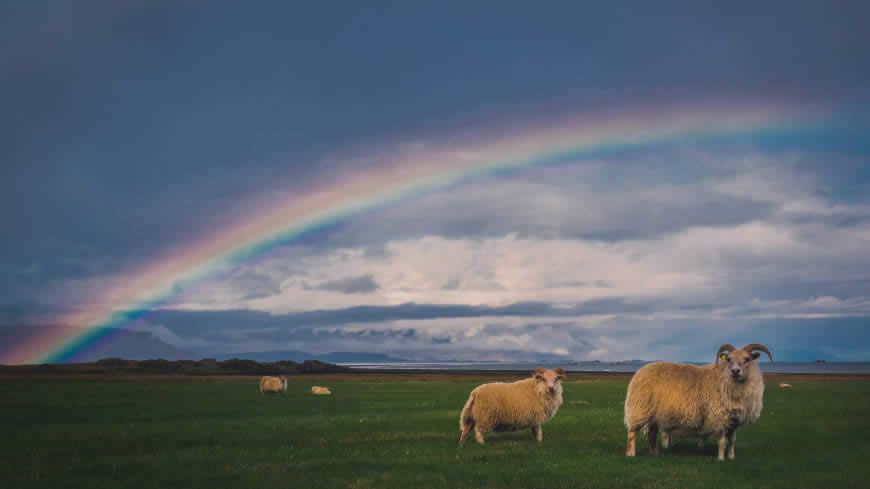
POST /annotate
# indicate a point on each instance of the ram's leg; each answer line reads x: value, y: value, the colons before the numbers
x: 538, y: 432
x: 654, y: 438
x: 732, y: 439
x: 723, y: 440
x: 630, y: 449
x: 465, y: 430
x: 666, y: 440
x: 478, y: 435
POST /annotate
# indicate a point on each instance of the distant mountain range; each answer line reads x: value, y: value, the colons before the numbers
x: 132, y: 345
x: 299, y: 356
x: 120, y: 367
x: 137, y: 345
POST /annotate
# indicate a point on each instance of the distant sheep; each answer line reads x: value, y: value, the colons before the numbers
x: 320, y: 390
x: 273, y: 384
x: 527, y: 403
x: 688, y: 400
x: 785, y: 386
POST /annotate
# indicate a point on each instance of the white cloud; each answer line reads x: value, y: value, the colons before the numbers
x: 791, y: 242
x: 490, y: 271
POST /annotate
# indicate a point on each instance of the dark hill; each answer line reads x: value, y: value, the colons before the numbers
x: 160, y: 366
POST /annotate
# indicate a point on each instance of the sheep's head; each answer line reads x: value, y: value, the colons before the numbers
x: 550, y: 378
x: 740, y: 361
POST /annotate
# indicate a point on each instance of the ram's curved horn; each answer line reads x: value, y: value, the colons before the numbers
x: 726, y: 347
x: 755, y: 346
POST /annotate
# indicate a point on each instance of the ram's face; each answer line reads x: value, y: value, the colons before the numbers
x: 550, y: 378
x: 738, y: 363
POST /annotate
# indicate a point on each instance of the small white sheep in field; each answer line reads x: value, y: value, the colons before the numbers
x: 273, y: 384
x: 785, y: 386
x: 527, y: 403
x: 689, y: 400
x: 320, y: 390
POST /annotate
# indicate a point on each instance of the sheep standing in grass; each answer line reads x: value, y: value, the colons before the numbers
x: 527, y: 403
x: 688, y: 400
x: 320, y: 390
x: 273, y: 384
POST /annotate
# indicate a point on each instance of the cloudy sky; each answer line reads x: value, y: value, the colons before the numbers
x: 130, y: 131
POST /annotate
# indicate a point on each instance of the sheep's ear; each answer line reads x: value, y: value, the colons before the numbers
x: 755, y: 355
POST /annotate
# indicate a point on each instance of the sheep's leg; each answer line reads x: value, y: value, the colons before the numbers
x: 538, y: 432
x: 732, y: 438
x: 723, y: 440
x: 630, y: 450
x: 654, y: 438
x: 666, y: 440
x: 478, y: 435
x: 466, y: 429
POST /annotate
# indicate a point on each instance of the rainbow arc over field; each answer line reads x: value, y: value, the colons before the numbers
x: 396, y: 176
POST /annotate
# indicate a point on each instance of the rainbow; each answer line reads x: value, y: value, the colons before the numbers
x: 398, y: 175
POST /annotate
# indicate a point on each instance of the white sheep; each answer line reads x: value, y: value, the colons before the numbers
x: 273, y: 384
x: 527, y: 403
x: 785, y: 386
x: 688, y: 400
x: 320, y: 390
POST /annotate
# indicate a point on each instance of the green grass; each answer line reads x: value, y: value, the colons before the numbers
x: 222, y: 434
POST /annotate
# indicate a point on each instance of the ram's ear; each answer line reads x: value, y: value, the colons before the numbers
x: 539, y: 372
x: 755, y: 355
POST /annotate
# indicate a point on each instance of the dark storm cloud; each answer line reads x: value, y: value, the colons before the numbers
x: 118, y: 115
x: 255, y: 285
x: 329, y: 335
x: 500, y: 329
x: 580, y: 283
x: 200, y: 322
x: 378, y: 252
x: 844, y: 339
x: 451, y: 284
x: 784, y: 289
x: 622, y: 338
x: 377, y: 334
x: 19, y: 310
x: 616, y: 203
x: 353, y: 285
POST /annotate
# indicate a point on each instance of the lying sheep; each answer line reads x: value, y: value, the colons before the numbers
x: 527, y: 403
x: 688, y: 400
x: 785, y: 386
x: 273, y: 384
x: 320, y: 390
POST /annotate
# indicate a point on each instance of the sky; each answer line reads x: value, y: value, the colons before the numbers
x: 132, y: 134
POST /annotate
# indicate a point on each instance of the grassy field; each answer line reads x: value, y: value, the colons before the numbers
x: 399, y: 432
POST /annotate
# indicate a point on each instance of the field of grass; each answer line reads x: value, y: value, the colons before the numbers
x: 398, y: 432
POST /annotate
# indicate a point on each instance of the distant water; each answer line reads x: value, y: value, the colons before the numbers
x: 775, y: 367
